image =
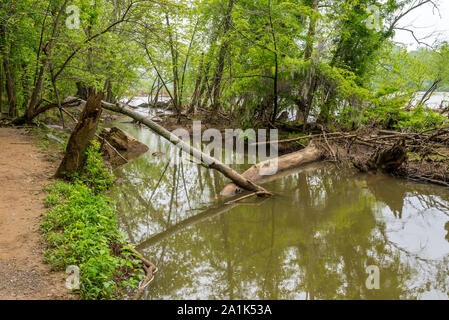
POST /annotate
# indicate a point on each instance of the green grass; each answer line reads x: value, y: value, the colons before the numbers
x: 80, y: 229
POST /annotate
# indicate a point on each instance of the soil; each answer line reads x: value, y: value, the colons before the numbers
x: 23, y: 173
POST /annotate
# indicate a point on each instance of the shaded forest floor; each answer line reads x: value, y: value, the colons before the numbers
x: 23, y: 173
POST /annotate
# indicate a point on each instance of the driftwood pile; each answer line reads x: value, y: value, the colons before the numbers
x: 420, y: 156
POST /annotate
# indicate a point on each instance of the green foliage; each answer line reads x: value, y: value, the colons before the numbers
x: 420, y: 119
x: 439, y: 67
x: 93, y: 173
x: 398, y: 73
x: 52, y: 199
x: 81, y: 229
x: 324, y: 48
x: 392, y: 116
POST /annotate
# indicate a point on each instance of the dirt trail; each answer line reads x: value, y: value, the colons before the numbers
x: 23, y: 172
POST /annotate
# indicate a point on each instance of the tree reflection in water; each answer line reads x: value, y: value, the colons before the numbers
x: 313, y: 241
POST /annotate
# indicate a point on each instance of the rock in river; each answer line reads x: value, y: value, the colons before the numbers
x: 128, y: 146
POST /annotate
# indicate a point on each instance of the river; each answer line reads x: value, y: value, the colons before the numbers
x: 314, y: 240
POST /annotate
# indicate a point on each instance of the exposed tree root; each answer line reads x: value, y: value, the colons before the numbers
x: 150, y: 270
x: 418, y: 156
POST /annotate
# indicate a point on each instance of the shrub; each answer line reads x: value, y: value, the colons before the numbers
x: 94, y: 174
x: 80, y: 229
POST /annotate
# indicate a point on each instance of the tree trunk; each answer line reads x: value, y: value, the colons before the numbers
x: 209, y: 161
x: 83, y: 91
x: 108, y: 90
x: 276, y: 68
x: 39, y: 82
x: 174, y: 57
x: 34, y: 100
x: 197, y: 92
x: 311, y: 33
x: 10, y: 85
x: 311, y: 82
x: 284, y: 163
x: 26, y: 87
x: 81, y: 136
x: 1, y: 89
x: 429, y: 92
x: 218, y: 76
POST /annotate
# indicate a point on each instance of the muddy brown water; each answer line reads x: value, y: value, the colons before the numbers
x: 314, y: 240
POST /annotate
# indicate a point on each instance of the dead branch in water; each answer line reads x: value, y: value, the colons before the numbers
x: 209, y: 161
x: 150, y: 270
x: 310, y: 136
x: 283, y: 163
x: 418, y: 156
x: 243, y: 198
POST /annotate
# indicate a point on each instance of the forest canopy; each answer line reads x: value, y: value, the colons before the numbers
x: 332, y: 60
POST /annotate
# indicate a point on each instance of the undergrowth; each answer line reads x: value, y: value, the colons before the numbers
x: 80, y: 229
x: 416, y: 120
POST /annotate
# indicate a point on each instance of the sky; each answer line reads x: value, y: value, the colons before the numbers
x: 425, y: 21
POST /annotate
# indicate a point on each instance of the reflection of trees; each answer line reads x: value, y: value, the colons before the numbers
x: 316, y: 245
x: 393, y: 192
x: 446, y: 226
x: 312, y: 242
x: 175, y: 186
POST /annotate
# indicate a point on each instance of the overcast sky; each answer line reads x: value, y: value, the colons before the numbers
x: 424, y: 21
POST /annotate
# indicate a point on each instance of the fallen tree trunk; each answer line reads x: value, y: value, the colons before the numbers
x: 81, y: 136
x: 284, y: 163
x: 209, y: 161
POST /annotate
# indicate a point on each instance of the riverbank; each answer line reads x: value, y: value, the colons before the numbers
x: 49, y: 225
x: 424, y: 152
x: 321, y: 215
x: 23, y: 173
x: 81, y: 233
x: 414, y: 156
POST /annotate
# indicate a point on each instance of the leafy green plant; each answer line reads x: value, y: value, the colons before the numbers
x: 81, y: 229
x: 94, y: 174
x: 51, y: 200
x: 420, y: 119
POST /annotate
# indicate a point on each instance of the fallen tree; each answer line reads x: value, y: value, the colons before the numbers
x: 369, y: 149
x: 207, y: 160
x: 284, y: 163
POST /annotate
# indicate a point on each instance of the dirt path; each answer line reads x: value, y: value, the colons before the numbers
x: 23, y: 172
